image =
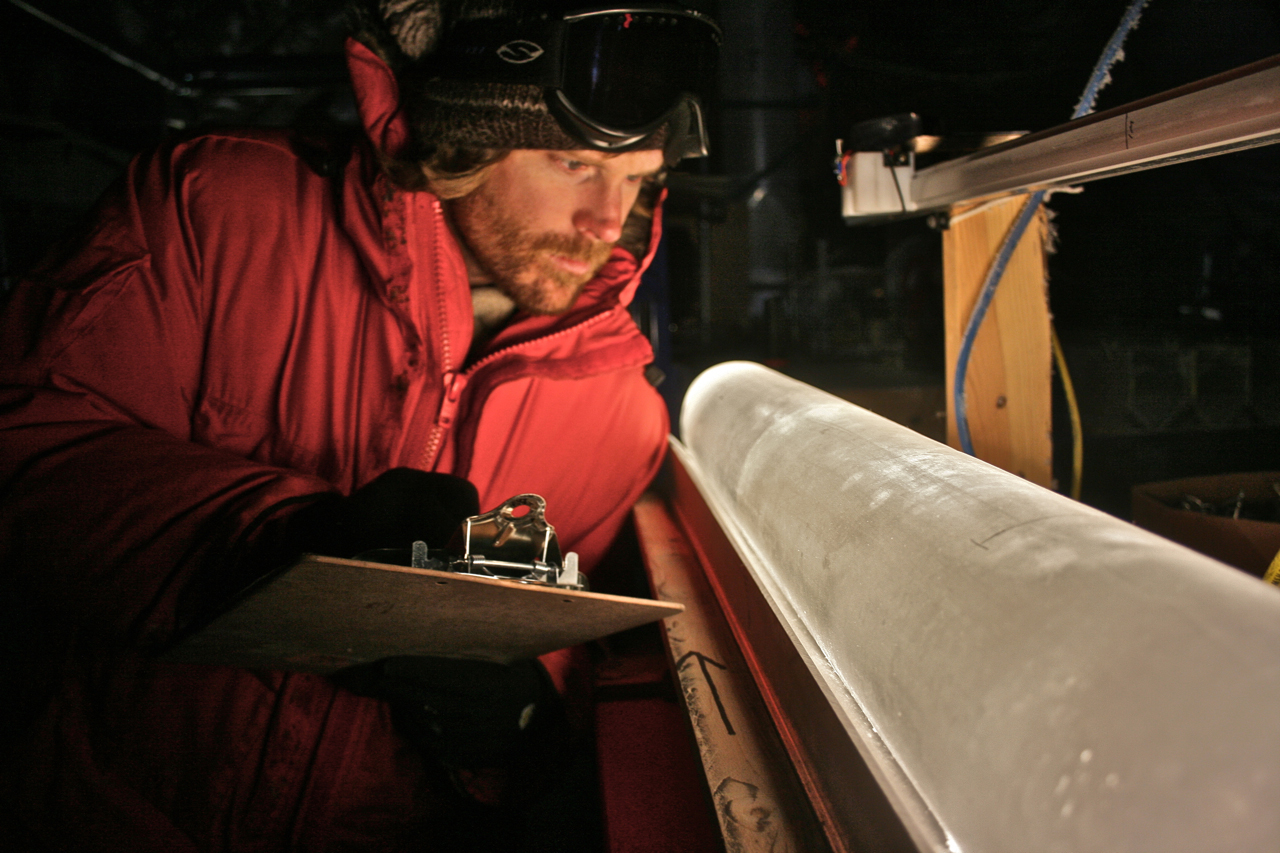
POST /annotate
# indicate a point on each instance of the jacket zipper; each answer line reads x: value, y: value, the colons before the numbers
x: 452, y: 381
x: 456, y: 382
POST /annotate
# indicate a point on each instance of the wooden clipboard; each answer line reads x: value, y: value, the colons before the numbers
x: 324, y: 613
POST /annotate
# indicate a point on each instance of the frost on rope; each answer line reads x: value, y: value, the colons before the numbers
x: 1113, y: 53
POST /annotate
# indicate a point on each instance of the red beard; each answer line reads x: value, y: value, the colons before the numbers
x: 523, y: 264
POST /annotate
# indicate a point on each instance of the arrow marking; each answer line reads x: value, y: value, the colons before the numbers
x: 703, y: 660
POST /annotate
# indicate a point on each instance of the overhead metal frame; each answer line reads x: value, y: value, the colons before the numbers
x: 1232, y: 111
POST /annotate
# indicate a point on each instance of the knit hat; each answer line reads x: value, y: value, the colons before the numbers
x: 461, y: 113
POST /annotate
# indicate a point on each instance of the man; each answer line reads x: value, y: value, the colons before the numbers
x: 259, y: 348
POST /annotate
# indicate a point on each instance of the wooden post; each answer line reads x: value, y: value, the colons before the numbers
x: 1008, y: 387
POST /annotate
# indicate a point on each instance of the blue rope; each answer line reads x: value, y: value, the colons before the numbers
x: 1110, y: 54
x: 1097, y: 80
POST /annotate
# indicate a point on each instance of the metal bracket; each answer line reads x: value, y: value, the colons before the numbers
x: 1232, y: 111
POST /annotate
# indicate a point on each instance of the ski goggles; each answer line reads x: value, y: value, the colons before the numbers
x: 611, y: 76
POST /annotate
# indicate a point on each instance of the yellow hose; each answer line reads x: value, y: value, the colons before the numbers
x: 1273, y: 573
x: 1077, y: 434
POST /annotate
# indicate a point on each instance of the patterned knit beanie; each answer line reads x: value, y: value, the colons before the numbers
x: 446, y: 112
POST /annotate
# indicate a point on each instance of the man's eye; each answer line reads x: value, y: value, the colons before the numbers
x: 573, y: 165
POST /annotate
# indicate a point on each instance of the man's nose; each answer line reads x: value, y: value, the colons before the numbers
x: 601, y: 214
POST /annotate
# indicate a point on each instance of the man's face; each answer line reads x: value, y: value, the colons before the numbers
x: 544, y: 222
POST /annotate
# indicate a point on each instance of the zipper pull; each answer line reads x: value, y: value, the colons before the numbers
x: 453, y: 385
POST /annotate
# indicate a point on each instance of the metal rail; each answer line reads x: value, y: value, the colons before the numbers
x: 1232, y: 111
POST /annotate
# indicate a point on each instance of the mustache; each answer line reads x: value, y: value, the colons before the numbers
x: 576, y: 246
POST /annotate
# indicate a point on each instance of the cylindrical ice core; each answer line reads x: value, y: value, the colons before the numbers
x: 1025, y: 672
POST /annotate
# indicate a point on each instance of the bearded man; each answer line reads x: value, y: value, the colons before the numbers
x: 258, y: 348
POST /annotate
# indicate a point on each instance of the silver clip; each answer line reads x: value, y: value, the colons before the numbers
x: 515, y: 542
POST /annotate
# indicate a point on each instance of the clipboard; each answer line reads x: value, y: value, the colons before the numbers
x: 323, y: 614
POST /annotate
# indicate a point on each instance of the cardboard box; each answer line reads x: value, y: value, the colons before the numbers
x: 1245, y: 543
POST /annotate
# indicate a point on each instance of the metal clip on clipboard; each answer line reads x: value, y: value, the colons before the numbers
x: 513, y: 542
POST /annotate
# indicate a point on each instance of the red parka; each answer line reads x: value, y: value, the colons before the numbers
x: 237, y: 330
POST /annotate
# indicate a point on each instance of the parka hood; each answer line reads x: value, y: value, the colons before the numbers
x: 377, y: 99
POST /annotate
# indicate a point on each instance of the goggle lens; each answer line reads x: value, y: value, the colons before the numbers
x: 627, y: 70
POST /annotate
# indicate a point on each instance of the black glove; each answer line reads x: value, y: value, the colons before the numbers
x: 466, y: 713
x: 396, y: 509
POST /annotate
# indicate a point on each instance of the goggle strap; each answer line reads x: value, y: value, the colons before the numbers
x: 687, y: 133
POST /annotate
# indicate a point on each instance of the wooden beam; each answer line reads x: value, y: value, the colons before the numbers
x: 1008, y: 387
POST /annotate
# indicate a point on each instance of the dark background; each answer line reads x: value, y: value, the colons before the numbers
x: 1163, y: 284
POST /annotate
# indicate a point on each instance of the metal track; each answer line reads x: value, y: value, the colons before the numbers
x: 1229, y: 112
